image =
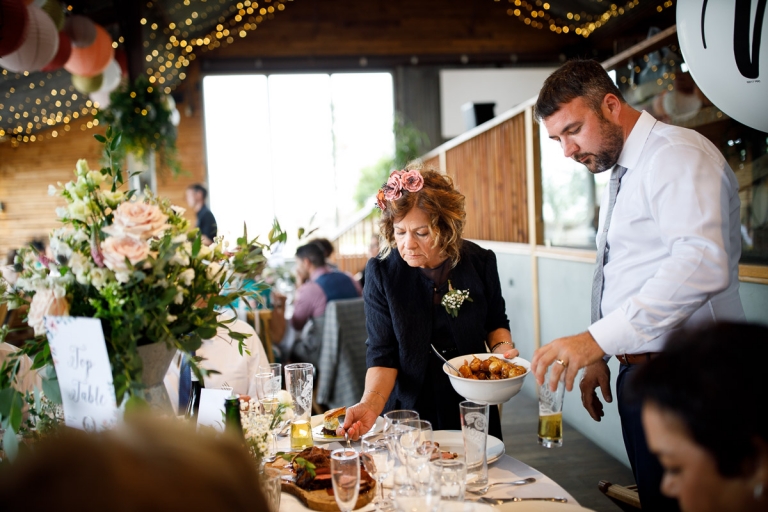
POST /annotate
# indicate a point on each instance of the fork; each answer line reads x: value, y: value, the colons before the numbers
x: 483, y: 490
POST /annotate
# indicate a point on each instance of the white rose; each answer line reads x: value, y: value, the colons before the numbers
x: 44, y: 303
x: 77, y: 210
x: 212, y: 270
x: 96, y: 177
x: 138, y: 220
x: 98, y: 277
x: 187, y: 276
x: 288, y: 414
x: 81, y: 169
x: 284, y: 397
x: 117, y: 248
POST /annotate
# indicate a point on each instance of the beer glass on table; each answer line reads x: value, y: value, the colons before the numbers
x: 299, y: 382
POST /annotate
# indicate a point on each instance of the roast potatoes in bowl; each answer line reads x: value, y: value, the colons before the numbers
x: 491, y: 381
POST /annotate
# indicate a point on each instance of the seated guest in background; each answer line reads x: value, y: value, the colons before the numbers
x: 327, y: 248
x: 373, y: 250
x: 320, y: 285
x: 222, y: 354
x: 701, y: 402
x: 423, y: 259
x: 206, y: 222
x: 141, y: 465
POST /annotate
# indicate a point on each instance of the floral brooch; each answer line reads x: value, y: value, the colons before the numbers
x: 453, y: 300
x: 399, y: 181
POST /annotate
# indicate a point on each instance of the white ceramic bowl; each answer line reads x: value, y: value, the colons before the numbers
x: 493, y: 392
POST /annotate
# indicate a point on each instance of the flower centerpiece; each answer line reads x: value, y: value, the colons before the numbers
x: 259, y: 428
x: 136, y: 264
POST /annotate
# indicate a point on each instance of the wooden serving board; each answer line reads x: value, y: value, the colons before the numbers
x: 323, y: 499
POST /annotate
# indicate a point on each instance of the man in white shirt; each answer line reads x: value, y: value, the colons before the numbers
x: 222, y: 354
x: 668, y: 244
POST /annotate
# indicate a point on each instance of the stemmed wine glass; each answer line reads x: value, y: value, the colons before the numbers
x: 345, y: 476
x: 379, y: 461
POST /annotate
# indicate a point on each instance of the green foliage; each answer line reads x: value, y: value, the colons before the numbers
x: 409, y: 144
x: 143, y: 115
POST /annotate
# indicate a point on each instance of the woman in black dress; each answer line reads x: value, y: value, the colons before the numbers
x: 424, y: 258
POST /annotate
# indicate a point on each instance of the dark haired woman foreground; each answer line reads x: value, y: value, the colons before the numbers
x: 703, y: 404
x: 423, y: 259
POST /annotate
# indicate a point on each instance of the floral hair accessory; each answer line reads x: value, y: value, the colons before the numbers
x: 398, y: 182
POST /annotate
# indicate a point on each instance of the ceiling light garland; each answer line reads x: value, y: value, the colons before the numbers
x: 169, y: 51
x: 537, y: 15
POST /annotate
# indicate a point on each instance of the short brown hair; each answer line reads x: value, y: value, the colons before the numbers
x: 575, y: 79
x: 440, y: 201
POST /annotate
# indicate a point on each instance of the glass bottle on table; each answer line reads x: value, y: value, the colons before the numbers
x: 232, y: 423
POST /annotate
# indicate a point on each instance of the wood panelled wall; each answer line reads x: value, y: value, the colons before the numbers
x: 489, y: 169
x: 26, y: 172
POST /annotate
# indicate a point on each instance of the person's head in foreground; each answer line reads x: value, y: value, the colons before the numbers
x: 702, y: 414
x: 139, y: 466
x: 583, y: 110
x: 423, y: 216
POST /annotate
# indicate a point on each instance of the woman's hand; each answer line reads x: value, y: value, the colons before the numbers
x: 360, y: 419
x: 511, y: 353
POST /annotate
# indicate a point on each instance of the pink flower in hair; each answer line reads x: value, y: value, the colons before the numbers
x: 412, y: 180
x: 393, y: 190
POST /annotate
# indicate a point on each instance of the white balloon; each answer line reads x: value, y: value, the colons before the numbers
x: 717, y: 44
x: 101, y: 97
x: 112, y: 75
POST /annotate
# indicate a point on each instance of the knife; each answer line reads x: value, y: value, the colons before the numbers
x: 496, y: 501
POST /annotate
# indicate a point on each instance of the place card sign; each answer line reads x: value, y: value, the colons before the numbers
x: 211, y: 412
x: 85, y: 376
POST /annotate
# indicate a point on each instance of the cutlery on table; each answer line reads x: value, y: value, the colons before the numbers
x: 483, y: 490
x: 445, y: 360
x: 494, y: 501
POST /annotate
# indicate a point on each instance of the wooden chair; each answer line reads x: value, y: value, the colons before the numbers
x: 625, y: 497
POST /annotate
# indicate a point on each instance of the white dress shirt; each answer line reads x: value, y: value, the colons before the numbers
x: 674, y: 241
x: 221, y: 354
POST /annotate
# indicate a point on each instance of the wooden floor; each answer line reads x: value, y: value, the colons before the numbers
x: 577, y: 466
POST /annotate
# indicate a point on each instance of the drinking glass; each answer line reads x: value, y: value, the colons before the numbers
x: 345, y: 476
x: 474, y: 427
x: 277, y: 373
x: 551, y: 413
x: 270, y: 487
x: 416, y: 443
x: 392, y: 418
x: 298, y: 381
x: 379, y: 461
x: 453, y: 478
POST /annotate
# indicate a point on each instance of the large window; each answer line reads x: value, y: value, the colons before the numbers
x: 292, y: 146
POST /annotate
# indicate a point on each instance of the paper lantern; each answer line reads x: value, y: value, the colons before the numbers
x: 53, y: 9
x: 87, y: 84
x: 40, y: 46
x: 112, y: 75
x: 91, y: 60
x: 81, y: 30
x: 13, y: 29
x: 101, y: 97
x: 65, y: 49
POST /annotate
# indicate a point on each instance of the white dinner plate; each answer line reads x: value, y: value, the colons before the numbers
x: 319, y: 437
x: 540, y: 506
x: 452, y: 441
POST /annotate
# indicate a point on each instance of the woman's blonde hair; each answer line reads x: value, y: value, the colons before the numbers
x: 442, y: 203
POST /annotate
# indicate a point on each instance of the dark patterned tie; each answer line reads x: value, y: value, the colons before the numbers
x: 602, y: 249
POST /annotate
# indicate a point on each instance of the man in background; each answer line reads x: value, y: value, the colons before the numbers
x: 206, y: 222
x: 320, y: 285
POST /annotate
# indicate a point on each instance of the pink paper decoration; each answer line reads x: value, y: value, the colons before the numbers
x: 91, y: 60
x: 81, y: 30
x: 62, y: 56
x: 40, y: 46
x: 14, y: 21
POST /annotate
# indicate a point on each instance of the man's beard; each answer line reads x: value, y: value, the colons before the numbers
x: 612, y: 142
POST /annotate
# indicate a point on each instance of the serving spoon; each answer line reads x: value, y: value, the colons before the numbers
x: 500, y: 501
x: 445, y: 360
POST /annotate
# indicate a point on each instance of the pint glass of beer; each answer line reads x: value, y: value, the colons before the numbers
x: 551, y: 413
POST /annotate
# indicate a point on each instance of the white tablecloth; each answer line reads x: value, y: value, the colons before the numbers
x: 506, y: 469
